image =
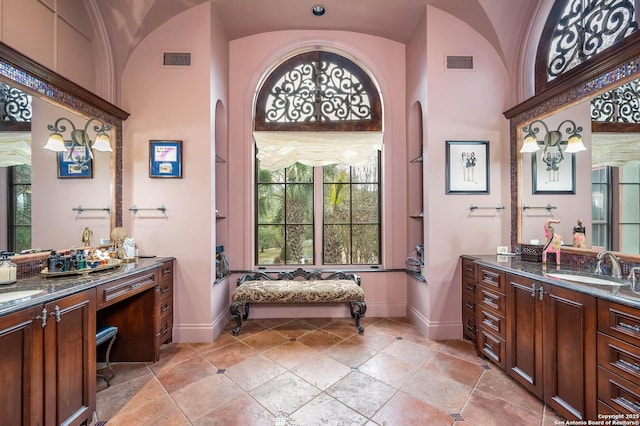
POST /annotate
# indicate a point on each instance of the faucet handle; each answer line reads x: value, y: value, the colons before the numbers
x: 598, y: 267
x: 632, y: 275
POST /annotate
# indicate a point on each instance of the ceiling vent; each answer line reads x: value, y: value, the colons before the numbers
x: 459, y: 62
x: 176, y: 59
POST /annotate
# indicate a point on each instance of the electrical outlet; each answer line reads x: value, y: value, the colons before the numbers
x: 502, y: 249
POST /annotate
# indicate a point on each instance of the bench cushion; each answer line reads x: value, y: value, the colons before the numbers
x: 292, y: 291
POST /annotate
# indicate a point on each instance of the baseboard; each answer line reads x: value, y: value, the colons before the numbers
x: 434, y: 330
x: 201, y: 333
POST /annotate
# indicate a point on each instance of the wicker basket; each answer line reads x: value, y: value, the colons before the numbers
x: 531, y: 252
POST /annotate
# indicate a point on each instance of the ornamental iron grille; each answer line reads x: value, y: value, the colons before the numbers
x: 620, y: 105
x: 578, y: 30
x: 15, y: 105
x: 318, y: 91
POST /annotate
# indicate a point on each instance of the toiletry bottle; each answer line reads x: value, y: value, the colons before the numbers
x: 8, y: 270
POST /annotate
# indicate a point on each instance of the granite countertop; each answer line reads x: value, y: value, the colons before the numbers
x: 51, y: 288
x: 534, y: 270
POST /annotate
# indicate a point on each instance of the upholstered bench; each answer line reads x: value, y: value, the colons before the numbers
x: 295, y: 287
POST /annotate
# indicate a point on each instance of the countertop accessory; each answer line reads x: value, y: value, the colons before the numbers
x: 8, y: 270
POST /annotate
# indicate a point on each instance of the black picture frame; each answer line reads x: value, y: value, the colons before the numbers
x: 165, y: 159
x: 75, y: 163
x: 546, y: 180
x: 467, y: 167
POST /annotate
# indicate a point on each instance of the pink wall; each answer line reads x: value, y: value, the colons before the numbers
x: 177, y: 104
x: 385, y: 59
x: 458, y: 105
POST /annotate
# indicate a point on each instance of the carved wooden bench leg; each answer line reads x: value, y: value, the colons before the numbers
x: 235, y: 313
x: 358, y: 310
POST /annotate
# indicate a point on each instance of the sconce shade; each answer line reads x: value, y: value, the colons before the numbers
x: 102, y: 143
x: 574, y: 144
x: 55, y: 143
x: 530, y: 144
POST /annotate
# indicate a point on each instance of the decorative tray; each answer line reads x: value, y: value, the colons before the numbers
x: 113, y: 263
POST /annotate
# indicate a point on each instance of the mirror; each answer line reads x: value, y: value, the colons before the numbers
x: 62, y: 205
x: 571, y: 100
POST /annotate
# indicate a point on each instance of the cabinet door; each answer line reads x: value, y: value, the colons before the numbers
x: 21, y: 379
x: 569, y: 327
x: 524, y: 333
x: 70, y: 359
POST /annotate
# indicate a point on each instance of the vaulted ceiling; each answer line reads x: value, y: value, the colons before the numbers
x: 501, y: 22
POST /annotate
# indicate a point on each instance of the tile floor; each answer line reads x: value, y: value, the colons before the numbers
x: 318, y: 372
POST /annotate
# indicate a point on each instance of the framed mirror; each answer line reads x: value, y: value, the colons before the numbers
x: 571, y: 100
x: 44, y: 211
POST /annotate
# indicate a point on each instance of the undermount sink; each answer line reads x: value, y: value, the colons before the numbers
x: 584, y: 279
x: 12, y: 296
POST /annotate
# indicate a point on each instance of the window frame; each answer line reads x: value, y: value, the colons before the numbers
x: 373, y: 123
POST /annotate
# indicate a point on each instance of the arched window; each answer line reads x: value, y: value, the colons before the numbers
x: 578, y: 30
x: 318, y: 134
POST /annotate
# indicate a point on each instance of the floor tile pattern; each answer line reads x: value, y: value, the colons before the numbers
x: 318, y: 372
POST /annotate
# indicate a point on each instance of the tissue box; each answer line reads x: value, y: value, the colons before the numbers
x: 531, y: 253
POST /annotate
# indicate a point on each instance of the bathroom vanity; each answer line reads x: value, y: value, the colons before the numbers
x: 575, y: 346
x: 48, y: 340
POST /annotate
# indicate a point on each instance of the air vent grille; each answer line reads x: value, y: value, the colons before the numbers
x: 176, y: 59
x: 459, y: 62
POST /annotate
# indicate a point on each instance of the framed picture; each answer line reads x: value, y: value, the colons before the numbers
x: 553, y: 171
x: 75, y: 162
x: 165, y: 159
x: 467, y: 167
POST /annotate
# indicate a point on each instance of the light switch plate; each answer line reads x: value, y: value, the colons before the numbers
x: 502, y: 249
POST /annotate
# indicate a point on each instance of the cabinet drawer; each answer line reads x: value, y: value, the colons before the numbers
x: 469, y: 285
x: 618, y: 393
x: 469, y: 269
x: 490, y: 321
x: 491, y: 300
x: 619, y: 357
x: 166, y: 273
x: 620, y: 321
x: 492, y: 279
x: 492, y: 347
x: 469, y: 326
x: 165, y: 330
x: 469, y: 301
x: 165, y: 307
x: 121, y: 289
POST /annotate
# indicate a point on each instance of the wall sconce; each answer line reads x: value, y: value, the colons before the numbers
x: 552, y: 138
x: 79, y: 138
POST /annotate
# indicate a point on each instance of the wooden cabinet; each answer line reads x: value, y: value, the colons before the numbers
x: 490, y: 314
x: 618, y: 357
x: 48, y: 362
x: 469, y: 286
x: 551, y: 344
x: 164, y: 306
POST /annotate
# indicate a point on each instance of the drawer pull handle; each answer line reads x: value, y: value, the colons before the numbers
x: 56, y: 313
x: 470, y: 305
x: 471, y: 286
x: 634, y: 328
x: 471, y: 328
x: 166, y: 271
x: 533, y: 290
x: 164, y: 331
x: 635, y: 366
x: 165, y: 290
x: 43, y: 317
x: 488, y: 346
x: 470, y: 268
x: 489, y: 300
x: 631, y: 406
x: 541, y: 291
x: 164, y: 308
x: 489, y: 322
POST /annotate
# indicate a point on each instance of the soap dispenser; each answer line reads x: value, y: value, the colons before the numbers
x: 8, y: 270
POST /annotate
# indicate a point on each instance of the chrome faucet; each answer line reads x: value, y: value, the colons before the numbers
x: 616, y: 268
x: 633, y: 279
